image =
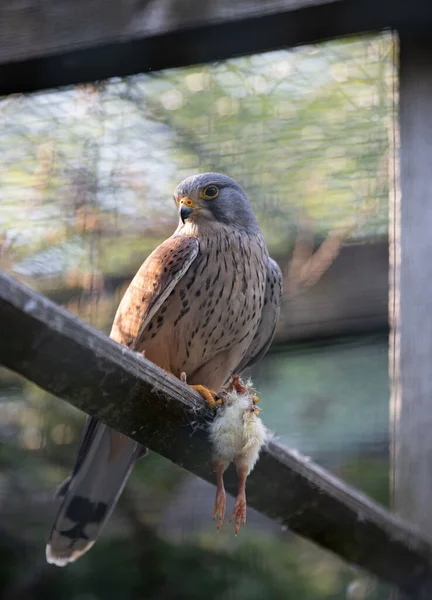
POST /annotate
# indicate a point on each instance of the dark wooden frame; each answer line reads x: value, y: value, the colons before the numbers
x: 50, y: 43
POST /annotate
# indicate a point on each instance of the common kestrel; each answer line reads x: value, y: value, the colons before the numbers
x: 204, y: 303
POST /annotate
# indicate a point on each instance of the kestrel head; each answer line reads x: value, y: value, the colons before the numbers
x: 214, y: 197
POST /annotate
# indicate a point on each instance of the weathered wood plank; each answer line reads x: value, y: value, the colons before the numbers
x: 46, y: 43
x: 412, y: 290
x: 32, y: 29
x: 70, y: 359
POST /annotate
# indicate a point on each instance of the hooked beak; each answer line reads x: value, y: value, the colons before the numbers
x: 187, y: 208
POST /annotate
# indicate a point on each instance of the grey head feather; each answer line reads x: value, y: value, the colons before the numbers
x: 231, y: 207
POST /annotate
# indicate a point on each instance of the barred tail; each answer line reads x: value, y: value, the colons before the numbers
x: 105, y: 460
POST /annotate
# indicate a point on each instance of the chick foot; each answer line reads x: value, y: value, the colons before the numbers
x: 239, y: 511
x: 220, y: 500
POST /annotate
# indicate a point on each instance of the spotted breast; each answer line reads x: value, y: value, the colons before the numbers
x: 206, y: 324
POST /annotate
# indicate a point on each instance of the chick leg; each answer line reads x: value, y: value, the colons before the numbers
x: 220, y: 501
x: 239, y: 511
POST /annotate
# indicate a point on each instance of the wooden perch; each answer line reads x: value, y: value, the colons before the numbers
x: 72, y: 360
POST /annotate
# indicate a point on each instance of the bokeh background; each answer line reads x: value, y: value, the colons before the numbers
x: 86, y: 181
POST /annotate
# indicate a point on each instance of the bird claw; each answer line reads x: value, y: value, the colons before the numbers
x: 219, y: 508
x: 239, y: 512
x: 210, y: 396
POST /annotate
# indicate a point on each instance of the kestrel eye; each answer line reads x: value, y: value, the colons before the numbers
x: 211, y: 191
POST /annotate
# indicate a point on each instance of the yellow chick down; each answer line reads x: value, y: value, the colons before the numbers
x: 237, y: 435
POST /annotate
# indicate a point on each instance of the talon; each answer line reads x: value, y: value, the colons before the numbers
x: 210, y: 396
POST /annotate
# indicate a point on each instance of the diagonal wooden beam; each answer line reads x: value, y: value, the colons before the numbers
x: 54, y: 349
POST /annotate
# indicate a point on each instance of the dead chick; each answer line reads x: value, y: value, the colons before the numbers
x: 237, y: 435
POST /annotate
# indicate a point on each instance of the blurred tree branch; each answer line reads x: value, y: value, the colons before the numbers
x: 307, y: 265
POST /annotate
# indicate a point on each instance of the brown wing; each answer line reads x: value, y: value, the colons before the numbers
x: 151, y: 286
x: 269, y: 318
x: 106, y: 457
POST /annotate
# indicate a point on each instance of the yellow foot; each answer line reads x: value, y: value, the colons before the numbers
x: 239, y: 512
x: 219, y: 507
x: 209, y: 395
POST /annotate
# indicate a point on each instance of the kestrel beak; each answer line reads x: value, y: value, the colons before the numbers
x: 187, y: 208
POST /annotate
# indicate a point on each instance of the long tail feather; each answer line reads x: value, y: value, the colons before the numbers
x: 104, y: 462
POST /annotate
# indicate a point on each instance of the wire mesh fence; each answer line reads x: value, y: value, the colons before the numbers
x: 86, y: 182
x: 304, y: 131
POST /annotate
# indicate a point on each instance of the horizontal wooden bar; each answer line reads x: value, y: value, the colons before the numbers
x: 45, y: 44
